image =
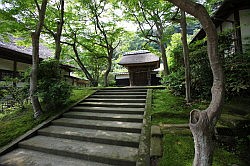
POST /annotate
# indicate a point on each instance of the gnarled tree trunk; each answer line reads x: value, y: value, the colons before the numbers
x: 202, y: 123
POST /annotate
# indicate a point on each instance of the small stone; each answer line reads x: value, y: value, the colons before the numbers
x: 156, y: 131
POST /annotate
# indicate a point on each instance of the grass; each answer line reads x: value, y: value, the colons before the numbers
x: 168, y: 108
x: 179, y: 151
x: 15, y: 123
x: 178, y: 142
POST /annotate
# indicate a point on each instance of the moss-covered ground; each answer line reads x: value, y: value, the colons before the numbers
x: 15, y: 122
x: 178, y: 142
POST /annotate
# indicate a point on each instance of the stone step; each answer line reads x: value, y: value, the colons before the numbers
x: 100, y: 125
x: 119, y: 96
x: 122, y: 90
x: 105, y: 104
x: 109, y: 154
x: 104, y: 116
x: 115, y: 100
x: 117, y: 110
x: 120, y: 93
x: 26, y: 157
x: 89, y: 135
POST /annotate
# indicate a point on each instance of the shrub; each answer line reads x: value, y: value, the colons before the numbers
x: 237, y: 74
x: 201, y: 74
x: 236, y: 68
x: 16, y: 95
x: 175, y: 82
x: 52, y: 89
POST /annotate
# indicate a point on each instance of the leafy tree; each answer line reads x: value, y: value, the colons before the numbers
x: 78, y: 60
x: 35, y: 58
x: 183, y: 24
x: 54, y: 24
x: 88, y: 56
x: 106, y: 33
x: 153, y: 19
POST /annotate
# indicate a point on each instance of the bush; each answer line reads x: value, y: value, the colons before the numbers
x: 175, y: 82
x: 52, y: 89
x: 236, y: 68
x: 201, y: 74
x: 13, y: 94
x: 237, y: 74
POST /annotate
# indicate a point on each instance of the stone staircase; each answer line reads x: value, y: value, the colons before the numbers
x: 104, y: 129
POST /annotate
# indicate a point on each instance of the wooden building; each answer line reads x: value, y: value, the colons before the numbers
x: 140, y: 65
x: 232, y: 15
x: 16, y: 59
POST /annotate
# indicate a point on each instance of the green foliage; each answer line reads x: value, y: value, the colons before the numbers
x: 174, y: 51
x: 201, y: 74
x: 199, y: 65
x: 52, y: 89
x: 236, y: 67
x: 16, y: 95
x: 175, y: 81
x: 111, y: 80
x: 237, y: 74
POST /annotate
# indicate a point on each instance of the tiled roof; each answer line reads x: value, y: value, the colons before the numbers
x: 44, y: 52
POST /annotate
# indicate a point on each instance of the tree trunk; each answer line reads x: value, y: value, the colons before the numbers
x: 160, y: 43
x: 186, y: 55
x: 164, y: 59
x: 202, y: 123
x: 106, y: 74
x: 85, y: 71
x: 35, y: 60
x: 203, y: 133
x: 59, y: 32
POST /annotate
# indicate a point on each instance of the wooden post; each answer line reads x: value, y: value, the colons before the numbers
x: 131, y: 78
x: 149, y: 76
x: 14, y: 70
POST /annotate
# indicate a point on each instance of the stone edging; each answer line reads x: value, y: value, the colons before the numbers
x: 144, y: 146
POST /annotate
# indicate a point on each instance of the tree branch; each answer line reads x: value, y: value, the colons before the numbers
x: 37, y: 5
x: 50, y: 31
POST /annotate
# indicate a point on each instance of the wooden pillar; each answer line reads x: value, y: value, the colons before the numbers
x: 131, y: 77
x: 14, y: 70
x: 149, y: 76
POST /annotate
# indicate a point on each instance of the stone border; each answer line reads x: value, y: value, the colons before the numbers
x: 144, y: 146
x: 14, y: 144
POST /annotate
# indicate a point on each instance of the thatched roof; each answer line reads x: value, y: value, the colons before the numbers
x: 138, y: 57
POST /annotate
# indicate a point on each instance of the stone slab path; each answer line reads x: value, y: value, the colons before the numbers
x: 102, y: 130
